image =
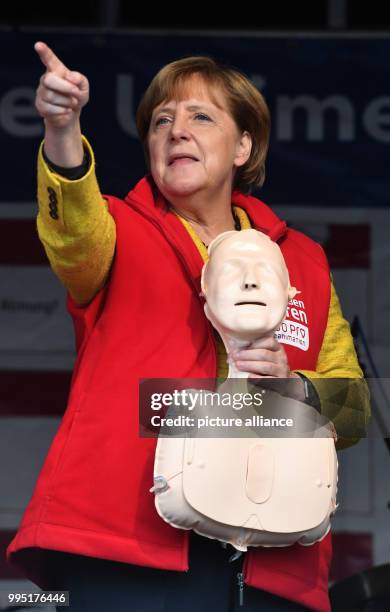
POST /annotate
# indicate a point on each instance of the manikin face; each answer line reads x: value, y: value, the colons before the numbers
x: 246, y: 284
x: 194, y: 144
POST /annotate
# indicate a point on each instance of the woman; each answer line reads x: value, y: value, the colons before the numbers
x: 132, y: 269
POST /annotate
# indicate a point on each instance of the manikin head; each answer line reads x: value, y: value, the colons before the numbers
x: 246, y: 285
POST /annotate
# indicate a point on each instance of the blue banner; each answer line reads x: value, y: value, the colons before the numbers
x: 328, y: 96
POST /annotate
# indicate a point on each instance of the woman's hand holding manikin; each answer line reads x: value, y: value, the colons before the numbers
x: 266, y: 358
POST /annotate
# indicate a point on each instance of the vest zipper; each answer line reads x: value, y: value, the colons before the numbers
x: 240, y: 580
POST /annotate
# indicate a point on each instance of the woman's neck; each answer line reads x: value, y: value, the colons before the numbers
x: 207, y: 231
x: 209, y: 216
x: 209, y: 228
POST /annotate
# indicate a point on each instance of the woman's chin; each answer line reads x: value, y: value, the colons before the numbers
x: 180, y: 188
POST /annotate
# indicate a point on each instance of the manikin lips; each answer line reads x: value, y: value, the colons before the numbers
x: 257, y: 303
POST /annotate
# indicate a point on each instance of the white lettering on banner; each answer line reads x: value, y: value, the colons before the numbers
x: 19, y: 118
x: 18, y: 115
x: 314, y: 110
x: 376, y: 119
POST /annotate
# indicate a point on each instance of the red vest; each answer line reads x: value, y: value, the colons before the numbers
x: 92, y: 495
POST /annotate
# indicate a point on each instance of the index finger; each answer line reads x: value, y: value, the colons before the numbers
x: 48, y: 57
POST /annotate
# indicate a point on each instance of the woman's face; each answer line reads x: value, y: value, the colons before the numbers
x: 195, y: 145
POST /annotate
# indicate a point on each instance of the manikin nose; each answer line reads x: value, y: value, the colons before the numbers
x: 251, y: 279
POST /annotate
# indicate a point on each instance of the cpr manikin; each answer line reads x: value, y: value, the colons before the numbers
x: 249, y: 490
x: 246, y: 287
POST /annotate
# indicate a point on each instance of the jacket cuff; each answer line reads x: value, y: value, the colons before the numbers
x: 72, y: 206
x: 73, y: 174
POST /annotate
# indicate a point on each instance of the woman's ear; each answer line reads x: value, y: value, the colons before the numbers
x: 244, y: 148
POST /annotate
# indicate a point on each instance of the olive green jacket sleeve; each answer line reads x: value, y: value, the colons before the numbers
x: 338, y: 379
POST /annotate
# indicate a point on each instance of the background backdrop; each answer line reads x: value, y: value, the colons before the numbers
x: 327, y: 174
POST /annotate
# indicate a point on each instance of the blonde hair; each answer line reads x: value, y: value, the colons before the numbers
x: 244, y: 102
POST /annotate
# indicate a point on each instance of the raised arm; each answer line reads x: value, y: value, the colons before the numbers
x: 74, y: 223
